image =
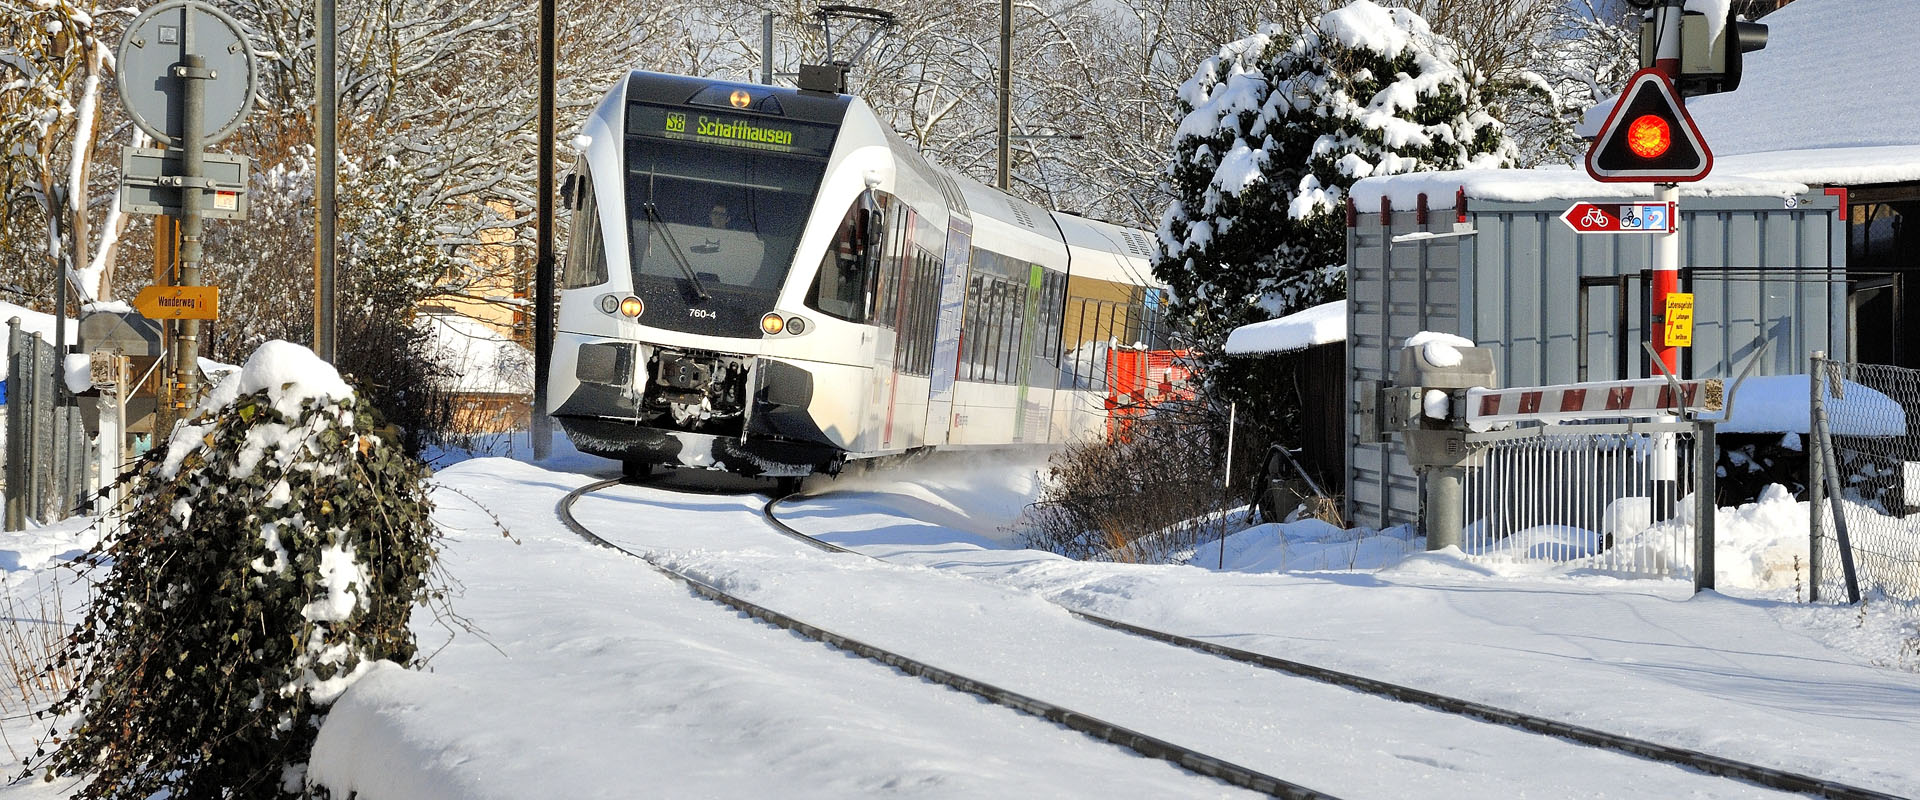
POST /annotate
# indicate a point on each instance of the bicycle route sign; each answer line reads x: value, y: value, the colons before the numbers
x: 1638, y: 217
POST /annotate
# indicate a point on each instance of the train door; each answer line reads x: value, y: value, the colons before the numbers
x: 903, y: 327
x: 946, y: 345
x: 878, y: 430
x: 1027, y: 399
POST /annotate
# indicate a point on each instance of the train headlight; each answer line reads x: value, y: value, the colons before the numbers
x: 609, y: 304
x: 796, y: 325
x: 772, y: 324
x: 632, y: 307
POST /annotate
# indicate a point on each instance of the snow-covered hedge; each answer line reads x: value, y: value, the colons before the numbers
x: 269, y: 555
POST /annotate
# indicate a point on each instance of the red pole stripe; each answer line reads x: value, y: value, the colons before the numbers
x: 1573, y: 399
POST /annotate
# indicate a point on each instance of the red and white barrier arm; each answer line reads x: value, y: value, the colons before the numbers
x: 1645, y: 397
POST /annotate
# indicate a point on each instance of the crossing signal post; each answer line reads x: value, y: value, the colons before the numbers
x: 1649, y: 137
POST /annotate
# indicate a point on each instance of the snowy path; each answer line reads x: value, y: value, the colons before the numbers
x: 598, y: 678
x: 1326, y: 738
x: 1727, y: 676
x: 613, y: 682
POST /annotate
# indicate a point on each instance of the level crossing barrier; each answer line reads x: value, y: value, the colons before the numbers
x: 1614, y: 476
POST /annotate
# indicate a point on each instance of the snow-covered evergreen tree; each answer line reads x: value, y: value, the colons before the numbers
x: 1278, y: 126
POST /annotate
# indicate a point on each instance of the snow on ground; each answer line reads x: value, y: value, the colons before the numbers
x: 1746, y: 672
x: 39, y: 599
x: 596, y: 677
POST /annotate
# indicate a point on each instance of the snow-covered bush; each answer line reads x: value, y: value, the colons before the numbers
x: 269, y: 555
x: 1158, y: 476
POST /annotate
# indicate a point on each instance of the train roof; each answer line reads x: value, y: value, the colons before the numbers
x: 1107, y: 251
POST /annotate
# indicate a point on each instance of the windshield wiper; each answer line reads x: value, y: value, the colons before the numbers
x: 660, y: 227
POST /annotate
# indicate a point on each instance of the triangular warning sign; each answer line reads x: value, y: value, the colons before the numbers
x: 1649, y: 137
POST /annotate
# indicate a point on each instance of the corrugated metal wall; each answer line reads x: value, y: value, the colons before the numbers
x: 1758, y: 270
x: 1393, y: 291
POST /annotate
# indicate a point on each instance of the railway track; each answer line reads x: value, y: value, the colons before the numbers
x: 1193, y: 760
x: 1152, y: 747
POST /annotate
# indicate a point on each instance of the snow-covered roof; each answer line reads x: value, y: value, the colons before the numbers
x: 1549, y: 183
x: 1834, y: 74
x: 1781, y: 403
x: 31, y: 322
x: 1322, y: 324
x: 1844, y: 166
x: 481, y: 359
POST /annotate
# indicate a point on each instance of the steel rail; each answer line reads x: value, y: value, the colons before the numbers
x: 1767, y: 777
x: 1149, y: 746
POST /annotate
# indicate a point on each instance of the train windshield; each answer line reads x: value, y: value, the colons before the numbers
x: 715, y: 210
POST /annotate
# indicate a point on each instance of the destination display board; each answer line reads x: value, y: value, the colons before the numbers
x: 708, y: 127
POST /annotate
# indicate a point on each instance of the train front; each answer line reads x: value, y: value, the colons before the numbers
x: 680, y: 341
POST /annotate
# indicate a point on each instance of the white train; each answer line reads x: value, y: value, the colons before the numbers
x: 770, y: 281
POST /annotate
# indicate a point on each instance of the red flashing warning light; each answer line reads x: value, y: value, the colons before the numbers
x: 1649, y: 136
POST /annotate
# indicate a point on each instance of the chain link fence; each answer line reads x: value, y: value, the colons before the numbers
x: 1864, y: 477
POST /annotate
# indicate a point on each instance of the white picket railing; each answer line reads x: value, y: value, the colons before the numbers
x: 1595, y: 495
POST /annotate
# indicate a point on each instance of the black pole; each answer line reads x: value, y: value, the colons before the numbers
x: 542, y: 432
x: 325, y: 127
x: 1003, y: 171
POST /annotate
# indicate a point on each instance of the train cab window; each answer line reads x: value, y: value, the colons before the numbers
x: 842, y: 289
x: 586, y: 251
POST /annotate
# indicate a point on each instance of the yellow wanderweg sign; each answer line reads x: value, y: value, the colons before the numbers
x: 1679, y: 327
x: 178, y: 302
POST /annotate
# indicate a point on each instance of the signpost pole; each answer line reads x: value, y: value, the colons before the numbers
x: 193, y: 72
x: 166, y: 259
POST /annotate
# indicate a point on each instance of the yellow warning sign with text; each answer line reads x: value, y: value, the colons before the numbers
x: 1679, y: 327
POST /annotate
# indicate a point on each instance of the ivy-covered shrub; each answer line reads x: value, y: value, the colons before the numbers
x: 268, y: 556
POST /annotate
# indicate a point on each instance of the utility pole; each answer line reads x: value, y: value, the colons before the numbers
x: 766, y: 49
x: 541, y: 429
x: 326, y: 125
x: 1003, y: 177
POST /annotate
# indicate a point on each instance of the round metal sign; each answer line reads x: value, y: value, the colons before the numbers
x: 157, y: 42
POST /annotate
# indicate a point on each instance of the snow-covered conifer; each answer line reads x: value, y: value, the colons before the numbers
x: 1278, y: 126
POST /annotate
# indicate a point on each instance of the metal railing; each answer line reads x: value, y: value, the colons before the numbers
x: 1600, y: 496
x: 48, y: 470
x: 1864, y: 481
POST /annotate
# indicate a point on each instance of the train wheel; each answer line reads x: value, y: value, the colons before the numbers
x: 635, y: 471
x: 787, y: 485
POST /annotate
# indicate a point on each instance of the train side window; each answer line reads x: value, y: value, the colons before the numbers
x: 974, y: 327
x: 586, y: 251
x: 841, y: 289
